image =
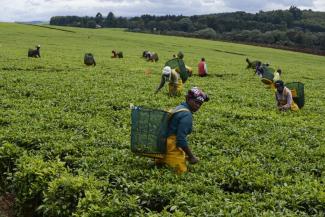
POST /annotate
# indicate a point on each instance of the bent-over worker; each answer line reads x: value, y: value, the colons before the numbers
x: 174, y: 79
x: 180, y: 126
x: 283, y: 97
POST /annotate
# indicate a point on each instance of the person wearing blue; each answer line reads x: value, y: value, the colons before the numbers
x: 180, y: 126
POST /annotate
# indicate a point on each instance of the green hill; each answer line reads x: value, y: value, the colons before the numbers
x: 65, y: 128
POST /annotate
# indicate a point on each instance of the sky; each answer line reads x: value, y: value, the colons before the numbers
x: 43, y: 10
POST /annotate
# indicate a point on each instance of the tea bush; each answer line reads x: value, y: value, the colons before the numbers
x: 65, y: 128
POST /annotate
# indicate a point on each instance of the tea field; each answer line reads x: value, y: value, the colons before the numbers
x: 65, y: 128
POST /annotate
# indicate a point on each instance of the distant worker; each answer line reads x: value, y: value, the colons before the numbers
x: 260, y: 68
x: 283, y: 97
x: 152, y: 56
x: 202, y: 68
x: 34, y: 53
x: 180, y: 126
x: 145, y: 53
x: 180, y: 55
x: 117, y: 54
x: 174, y: 79
x: 89, y: 59
x: 252, y: 64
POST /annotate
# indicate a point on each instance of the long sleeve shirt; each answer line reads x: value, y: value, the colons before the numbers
x: 181, y: 125
x: 173, y: 79
x: 284, y: 99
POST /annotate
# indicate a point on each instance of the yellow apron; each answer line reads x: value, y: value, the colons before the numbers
x: 294, y: 107
x: 283, y: 101
x: 176, y: 90
x: 174, y: 157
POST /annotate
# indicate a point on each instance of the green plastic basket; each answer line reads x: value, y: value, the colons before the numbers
x: 148, y: 131
x: 179, y: 64
x: 267, y: 77
x: 298, y: 92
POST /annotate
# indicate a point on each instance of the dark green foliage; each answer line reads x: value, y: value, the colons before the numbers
x: 295, y: 28
x: 64, y: 193
x: 31, y: 177
x: 9, y: 153
x: 208, y: 33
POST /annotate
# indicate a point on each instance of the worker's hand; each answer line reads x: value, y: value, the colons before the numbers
x: 193, y: 160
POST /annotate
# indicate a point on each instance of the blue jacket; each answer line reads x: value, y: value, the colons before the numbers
x: 181, y: 125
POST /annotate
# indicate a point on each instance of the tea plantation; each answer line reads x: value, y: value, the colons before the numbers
x: 65, y: 128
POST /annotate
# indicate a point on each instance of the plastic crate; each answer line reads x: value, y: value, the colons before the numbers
x: 149, y: 131
x: 298, y: 92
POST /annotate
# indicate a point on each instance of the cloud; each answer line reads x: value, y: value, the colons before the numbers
x: 257, y: 5
x: 28, y: 10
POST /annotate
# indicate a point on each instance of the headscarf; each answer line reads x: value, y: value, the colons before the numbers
x: 180, y: 55
x: 167, y: 71
x: 279, y: 83
x: 197, y: 94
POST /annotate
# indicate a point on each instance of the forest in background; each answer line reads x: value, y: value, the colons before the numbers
x: 302, y: 30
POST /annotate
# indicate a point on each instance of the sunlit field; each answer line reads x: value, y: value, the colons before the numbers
x: 65, y: 128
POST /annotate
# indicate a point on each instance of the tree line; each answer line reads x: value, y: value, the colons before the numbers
x: 292, y: 28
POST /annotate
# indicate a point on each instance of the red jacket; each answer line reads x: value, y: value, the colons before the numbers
x: 201, y: 68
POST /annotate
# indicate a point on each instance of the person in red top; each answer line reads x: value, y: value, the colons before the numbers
x: 202, y: 68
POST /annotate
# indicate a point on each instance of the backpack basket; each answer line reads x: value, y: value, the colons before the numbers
x: 267, y: 77
x: 89, y: 59
x: 297, y: 91
x: 149, y: 131
x: 179, y: 66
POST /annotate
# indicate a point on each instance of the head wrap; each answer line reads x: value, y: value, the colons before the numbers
x: 166, y: 71
x: 180, y: 55
x: 197, y: 94
x: 279, y: 83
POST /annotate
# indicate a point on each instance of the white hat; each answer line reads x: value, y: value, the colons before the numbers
x: 166, y: 70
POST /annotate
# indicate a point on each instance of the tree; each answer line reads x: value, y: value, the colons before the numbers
x: 110, y: 20
x: 185, y: 24
x: 99, y: 18
x: 208, y: 33
x: 91, y: 24
x: 296, y: 12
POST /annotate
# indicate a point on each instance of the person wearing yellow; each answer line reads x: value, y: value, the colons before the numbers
x: 180, y: 125
x: 277, y: 75
x: 174, y: 81
x: 283, y: 97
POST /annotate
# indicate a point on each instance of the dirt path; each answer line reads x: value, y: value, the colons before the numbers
x: 6, y: 205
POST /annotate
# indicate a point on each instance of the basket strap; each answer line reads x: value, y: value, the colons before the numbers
x: 174, y: 111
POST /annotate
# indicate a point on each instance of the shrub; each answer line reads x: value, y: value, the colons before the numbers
x: 63, y: 195
x: 9, y: 153
x: 31, y: 178
x: 208, y: 33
